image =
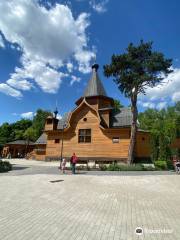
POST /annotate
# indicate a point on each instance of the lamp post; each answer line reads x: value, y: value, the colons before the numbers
x: 62, y: 145
x: 55, y: 115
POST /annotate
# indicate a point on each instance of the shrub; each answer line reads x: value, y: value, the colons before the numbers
x: 122, y: 167
x: 5, y: 166
x: 103, y: 167
x: 160, y: 165
x: 149, y: 168
x: 115, y: 167
x: 170, y: 165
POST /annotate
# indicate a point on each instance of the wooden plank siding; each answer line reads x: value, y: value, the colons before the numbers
x: 142, y: 148
x: 101, y: 140
x: 101, y: 146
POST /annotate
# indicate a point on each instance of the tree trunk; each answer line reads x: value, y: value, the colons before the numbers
x: 133, y: 128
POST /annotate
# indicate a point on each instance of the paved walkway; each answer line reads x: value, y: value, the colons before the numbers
x: 38, y: 203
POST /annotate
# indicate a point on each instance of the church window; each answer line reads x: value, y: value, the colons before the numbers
x: 84, y: 136
x: 49, y: 121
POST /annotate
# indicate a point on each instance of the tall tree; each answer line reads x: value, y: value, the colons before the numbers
x: 13, y: 131
x: 24, y: 128
x: 30, y: 134
x: 117, y: 104
x: 135, y: 70
x: 19, y: 127
x: 164, y: 126
x: 39, y: 121
x: 5, y: 133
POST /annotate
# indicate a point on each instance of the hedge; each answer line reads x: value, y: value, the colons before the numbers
x: 135, y: 167
x: 5, y: 166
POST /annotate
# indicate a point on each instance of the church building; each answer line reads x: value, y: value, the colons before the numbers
x: 95, y: 130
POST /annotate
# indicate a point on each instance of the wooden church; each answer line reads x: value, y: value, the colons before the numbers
x: 94, y: 130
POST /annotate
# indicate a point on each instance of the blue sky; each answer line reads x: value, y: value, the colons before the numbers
x: 47, y: 48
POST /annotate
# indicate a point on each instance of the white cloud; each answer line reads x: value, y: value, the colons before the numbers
x: 74, y: 79
x: 168, y: 91
x: 99, y: 6
x: 1, y: 42
x: 47, y: 78
x: 176, y: 96
x: 6, y: 89
x: 19, y: 83
x: 70, y: 67
x: 27, y: 115
x: 161, y: 105
x: 46, y: 37
x: 84, y: 58
x: 158, y: 105
x: 146, y: 104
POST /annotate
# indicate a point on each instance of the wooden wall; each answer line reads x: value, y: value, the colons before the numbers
x: 105, y: 115
x: 142, y: 148
x: 101, y: 144
x: 39, y: 153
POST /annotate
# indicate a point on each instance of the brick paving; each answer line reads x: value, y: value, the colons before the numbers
x: 33, y: 206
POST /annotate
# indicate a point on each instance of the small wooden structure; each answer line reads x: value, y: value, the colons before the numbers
x: 17, y: 149
x: 176, y: 145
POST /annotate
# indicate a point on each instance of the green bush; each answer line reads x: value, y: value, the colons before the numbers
x: 148, y: 168
x: 103, y: 167
x: 170, y: 165
x: 123, y: 167
x: 5, y: 166
x: 115, y: 167
x: 160, y: 165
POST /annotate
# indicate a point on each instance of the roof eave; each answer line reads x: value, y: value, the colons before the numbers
x: 97, y: 96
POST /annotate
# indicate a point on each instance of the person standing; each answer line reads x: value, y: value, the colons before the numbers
x: 177, y: 167
x: 74, y: 160
x: 63, y: 165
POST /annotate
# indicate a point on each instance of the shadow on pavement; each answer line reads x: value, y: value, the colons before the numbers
x: 52, y: 170
x: 55, y: 181
x: 17, y: 167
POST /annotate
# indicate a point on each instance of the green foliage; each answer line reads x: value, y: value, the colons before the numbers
x: 24, y: 128
x: 6, y: 133
x: 135, y: 70
x: 30, y: 134
x: 134, y: 167
x: 160, y: 165
x: 103, y: 167
x: 117, y: 104
x: 170, y: 165
x: 19, y: 127
x: 5, y: 166
x: 164, y: 128
x: 138, y: 68
x: 39, y: 121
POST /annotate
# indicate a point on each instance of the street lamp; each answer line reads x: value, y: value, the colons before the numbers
x: 62, y: 138
x: 55, y: 116
x: 62, y: 145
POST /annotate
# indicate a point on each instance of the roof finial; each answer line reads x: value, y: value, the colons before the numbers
x: 56, y: 111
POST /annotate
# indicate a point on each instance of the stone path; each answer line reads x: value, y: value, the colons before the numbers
x: 38, y: 203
